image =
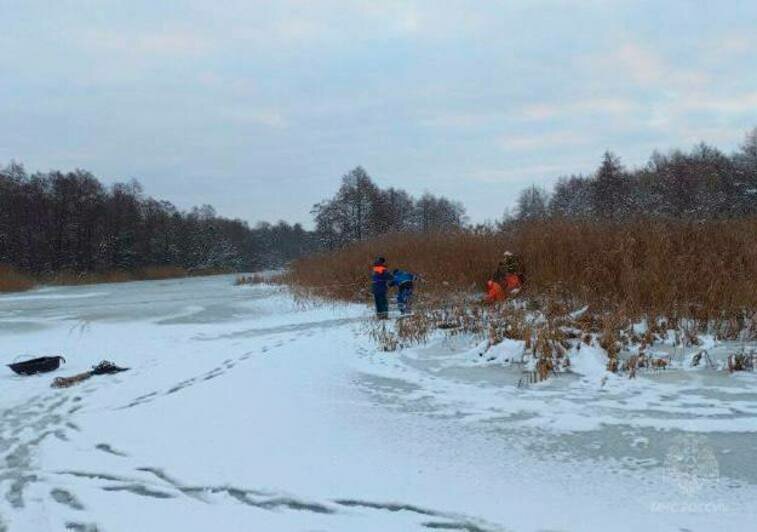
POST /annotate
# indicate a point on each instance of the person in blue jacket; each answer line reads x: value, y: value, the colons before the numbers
x: 404, y: 282
x: 379, y: 281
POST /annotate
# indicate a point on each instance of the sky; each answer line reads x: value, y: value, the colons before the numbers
x: 258, y: 107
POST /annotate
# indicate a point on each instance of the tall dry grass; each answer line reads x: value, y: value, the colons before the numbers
x: 705, y: 270
x: 456, y: 261
x: 11, y: 280
x: 154, y: 273
x: 672, y: 268
x: 149, y: 273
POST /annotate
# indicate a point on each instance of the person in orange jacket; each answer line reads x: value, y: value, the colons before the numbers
x: 512, y: 283
x: 379, y: 286
x: 509, y: 273
x: 494, y: 292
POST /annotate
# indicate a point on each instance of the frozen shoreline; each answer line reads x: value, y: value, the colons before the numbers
x: 243, y: 411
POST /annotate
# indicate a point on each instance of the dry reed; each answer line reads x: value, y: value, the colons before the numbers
x: 148, y: 273
x: 12, y: 280
x: 253, y: 279
x: 706, y: 271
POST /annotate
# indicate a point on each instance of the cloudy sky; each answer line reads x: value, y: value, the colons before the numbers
x: 259, y: 106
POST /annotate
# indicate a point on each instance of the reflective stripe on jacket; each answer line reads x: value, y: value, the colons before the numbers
x: 379, y: 279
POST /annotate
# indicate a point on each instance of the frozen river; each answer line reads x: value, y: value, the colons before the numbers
x: 243, y: 411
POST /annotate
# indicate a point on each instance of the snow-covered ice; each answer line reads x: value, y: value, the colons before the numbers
x: 245, y: 411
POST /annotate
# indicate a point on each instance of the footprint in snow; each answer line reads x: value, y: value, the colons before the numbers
x: 66, y: 498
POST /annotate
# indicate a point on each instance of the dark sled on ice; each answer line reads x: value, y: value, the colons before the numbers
x: 37, y: 365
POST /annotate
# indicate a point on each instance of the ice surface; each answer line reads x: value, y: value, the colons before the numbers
x: 245, y: 411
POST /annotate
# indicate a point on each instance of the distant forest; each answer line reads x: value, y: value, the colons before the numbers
x: 70, y: 221
x: 703, y: 184
x: 56, y: 221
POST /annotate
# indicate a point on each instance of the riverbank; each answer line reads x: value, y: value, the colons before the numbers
x: 642, y: 269
x: 13, y: 280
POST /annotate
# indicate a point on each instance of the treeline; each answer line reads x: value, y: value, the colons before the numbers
x: 360, y: 210
x: 703, y: 184
x: 55, y: 222
x: 69, y: 221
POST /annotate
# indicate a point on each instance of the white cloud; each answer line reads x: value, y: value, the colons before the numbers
x: 165, y: 42
x: 298, y: 29
x: 732, y: 45
x: 520, y: 175
x: 395, y: 15
x: 541, y: 141
x: 602, y: 105
x: 718, y: 135
x: 641, y: 64
x: 736, y: 103
x: 263, y: 117
x: 269, y: 23
x: 643, y: 67
x: 295, y: 23
x: 674, y: 115
x: 444, y: 119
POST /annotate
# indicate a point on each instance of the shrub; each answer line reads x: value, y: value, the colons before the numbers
x: 117, y: 276
x: 702, y: 270
x: 12, y: 280
x: 77, y: 278
x: 161, y: 272
x: 458, y: 261
x: 253, y: 279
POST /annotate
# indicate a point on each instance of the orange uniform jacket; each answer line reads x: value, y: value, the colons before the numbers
x: 512, y: 281
x: 494, y: 292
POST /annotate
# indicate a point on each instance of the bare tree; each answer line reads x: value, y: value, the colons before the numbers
x: 532, y: 204
x: 361, y: 210
x: 609, y: 188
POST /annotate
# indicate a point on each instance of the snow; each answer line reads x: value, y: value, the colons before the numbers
x: 244, y: 410
x: 590, y: 362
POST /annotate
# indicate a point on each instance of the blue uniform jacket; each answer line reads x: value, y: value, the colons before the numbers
x: 379, y: 280
x: 402, y: 278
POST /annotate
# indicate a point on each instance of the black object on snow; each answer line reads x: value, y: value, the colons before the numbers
x: 37, y: 365
x: 106, y: 367
x: 103, y: 368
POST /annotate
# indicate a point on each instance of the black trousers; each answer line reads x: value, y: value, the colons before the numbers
x: 382, y: 305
